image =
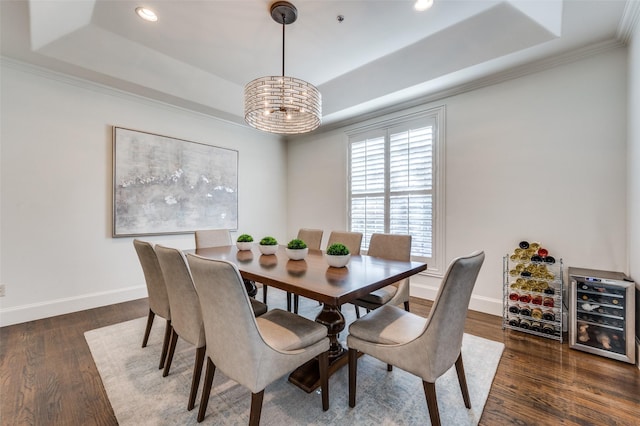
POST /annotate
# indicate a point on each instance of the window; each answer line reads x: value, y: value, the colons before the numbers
x: 394, y: 181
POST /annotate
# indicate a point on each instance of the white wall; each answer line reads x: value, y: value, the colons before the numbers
x: 633, y: 159
x: 541, y: 157
x: 57, y: 254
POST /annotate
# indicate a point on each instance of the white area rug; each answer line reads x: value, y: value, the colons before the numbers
x: 140, y: 395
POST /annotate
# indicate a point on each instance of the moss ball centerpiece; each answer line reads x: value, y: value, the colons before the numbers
x: 244, y: 242
x: 337, y: 255
x: 268, y: 245
x: 297, y: 249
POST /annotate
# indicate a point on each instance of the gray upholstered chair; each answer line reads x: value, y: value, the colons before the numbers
x: 186, y: 318
x: 185, y: 309
x: 392, y: 247
x: 218, y: 238
x: 157, y: 291
x: 212, y: 238
x: 313, y: 239
x: 424, y: 347
x: 352, y: 240
x: 251, y: 351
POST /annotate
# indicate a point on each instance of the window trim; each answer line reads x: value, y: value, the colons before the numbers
x: 436, y: 266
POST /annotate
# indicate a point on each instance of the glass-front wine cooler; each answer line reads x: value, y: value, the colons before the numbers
x: 602, y: 313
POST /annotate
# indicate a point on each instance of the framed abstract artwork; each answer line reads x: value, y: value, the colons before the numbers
x: 164, y: 185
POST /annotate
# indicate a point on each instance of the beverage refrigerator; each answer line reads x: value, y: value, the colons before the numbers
x: 602, y: 311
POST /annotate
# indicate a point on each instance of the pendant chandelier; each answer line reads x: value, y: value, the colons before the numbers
x: 281, y: 104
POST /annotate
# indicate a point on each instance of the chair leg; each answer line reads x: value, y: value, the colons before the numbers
x: 353, y: 372
x: 323, y: 361
x: 165, y: 343
x: 256, y: 408
x: 357, y: 311
x: 195, y: 380
x: 145, y: 339
x: 432, y: 402
x: 172, y: 349
x: 264, y: 293
x: 296, y: 300
x: 463, y: 381
x: 389, y: 367
x: 206, y: 389
x: 288, y: 302
x: 406, y: 306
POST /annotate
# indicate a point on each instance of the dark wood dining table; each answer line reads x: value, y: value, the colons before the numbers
x: 313, y: 278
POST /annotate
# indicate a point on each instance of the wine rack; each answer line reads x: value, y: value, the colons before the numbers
x: 602, y: 310
x: 532, y: 295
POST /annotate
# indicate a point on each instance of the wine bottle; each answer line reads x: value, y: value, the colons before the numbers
x: 548, y: 315
x: 525, y: 323
x: 536, y: 313
x: 525, y: 298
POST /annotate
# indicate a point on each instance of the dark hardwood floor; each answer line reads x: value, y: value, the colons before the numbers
x: 48, y: 376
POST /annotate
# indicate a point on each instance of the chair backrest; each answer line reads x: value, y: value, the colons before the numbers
x: 186, y: 317
x: 229, y: 324
x: 390, y: 246
x: 444, y: 330
x: 156, y: 287
x: 352, y: 240
x: 212, y: 238
x: 312, y: 237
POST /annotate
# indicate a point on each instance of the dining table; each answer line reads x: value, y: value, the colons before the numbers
x: 313, y: 278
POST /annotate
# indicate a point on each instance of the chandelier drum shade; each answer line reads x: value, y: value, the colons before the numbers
x: 281, y: 104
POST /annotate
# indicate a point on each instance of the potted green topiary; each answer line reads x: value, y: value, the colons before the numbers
x: 337, y: 255
x: 268, y: 245
x: 244, y: 242
x: 297, y: 249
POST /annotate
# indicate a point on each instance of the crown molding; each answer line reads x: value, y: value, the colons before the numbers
x: 629, y: 21
x: 533, y: 67
x: 489, y: 80
x: 171, y: 102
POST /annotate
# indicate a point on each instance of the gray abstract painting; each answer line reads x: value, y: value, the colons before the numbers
x: 163, y: 185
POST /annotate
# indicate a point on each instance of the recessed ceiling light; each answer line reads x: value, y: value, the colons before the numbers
x: 422, y: 5
x: 146, y: 14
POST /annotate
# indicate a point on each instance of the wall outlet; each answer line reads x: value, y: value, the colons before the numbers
x: 2, y: 290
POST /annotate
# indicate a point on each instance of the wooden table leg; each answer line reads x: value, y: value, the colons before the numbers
x: 307, y: 377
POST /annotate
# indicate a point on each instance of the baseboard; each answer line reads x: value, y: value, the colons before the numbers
x: 34, y: 311
x: 31, y: 312
x: 478, y: 303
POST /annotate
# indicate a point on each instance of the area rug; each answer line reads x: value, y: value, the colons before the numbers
x: 140, y: 395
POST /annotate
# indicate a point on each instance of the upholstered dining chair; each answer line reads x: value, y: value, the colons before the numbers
x: 157, y: 291
x: 185, y: 309
x: 252, y: 351
x: 424, y: 347
x: 212, y: 238
x: 217, y: 238
x: 392, y: 247
x: 352, y: 240
x: 313, y: 239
